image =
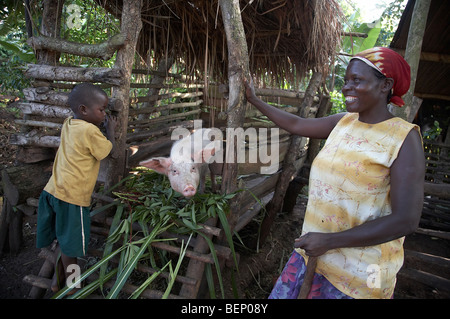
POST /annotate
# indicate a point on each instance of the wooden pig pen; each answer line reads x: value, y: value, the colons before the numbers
x: 46, y: 108
x: 150, y: 102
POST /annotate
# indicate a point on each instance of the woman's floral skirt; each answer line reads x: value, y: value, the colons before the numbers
x: 289, y: 283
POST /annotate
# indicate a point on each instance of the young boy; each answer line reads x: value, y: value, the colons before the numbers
x: 63, y: 211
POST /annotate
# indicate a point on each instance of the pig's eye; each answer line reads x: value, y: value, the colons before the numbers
x: 174, y: 171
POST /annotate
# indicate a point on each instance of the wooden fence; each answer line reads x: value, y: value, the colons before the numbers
x: 176, y: 102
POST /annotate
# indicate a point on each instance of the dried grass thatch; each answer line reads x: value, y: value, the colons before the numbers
x: 286, y: 38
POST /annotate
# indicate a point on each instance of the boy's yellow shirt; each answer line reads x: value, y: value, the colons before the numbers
x: 77, y: 162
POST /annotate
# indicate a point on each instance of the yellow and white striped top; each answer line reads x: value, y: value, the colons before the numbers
x: 350, y: 185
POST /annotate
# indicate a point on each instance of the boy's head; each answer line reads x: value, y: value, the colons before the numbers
x: 88, y: 102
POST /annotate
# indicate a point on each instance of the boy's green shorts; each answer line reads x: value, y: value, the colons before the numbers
x: 68, y: 223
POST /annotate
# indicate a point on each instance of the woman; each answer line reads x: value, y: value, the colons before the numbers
x: 366, y: 185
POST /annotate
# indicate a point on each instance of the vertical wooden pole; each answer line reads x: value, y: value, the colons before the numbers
x: 237, y: 68
x: 131, y: 26
x: 412, y: 56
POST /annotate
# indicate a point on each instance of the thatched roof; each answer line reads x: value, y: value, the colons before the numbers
x: 282, y: 35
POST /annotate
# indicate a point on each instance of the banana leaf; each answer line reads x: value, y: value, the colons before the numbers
x: 60, y: 294
x: 130, y: 266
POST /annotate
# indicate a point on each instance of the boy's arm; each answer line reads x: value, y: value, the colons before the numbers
x: 110, y: 126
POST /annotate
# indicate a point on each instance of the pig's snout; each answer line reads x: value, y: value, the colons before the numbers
x: 189, y: 191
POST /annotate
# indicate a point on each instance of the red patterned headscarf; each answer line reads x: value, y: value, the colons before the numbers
x: 391, y: 65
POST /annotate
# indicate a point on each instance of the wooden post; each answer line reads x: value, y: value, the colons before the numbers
x: 131, y: 26
x: 18, y: 184
x: 412, y: 56
x: 308, y: 279
x: 238, y: 67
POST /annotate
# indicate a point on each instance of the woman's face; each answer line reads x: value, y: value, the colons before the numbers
x: 362, y: 90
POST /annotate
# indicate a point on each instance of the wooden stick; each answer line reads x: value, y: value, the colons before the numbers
x: 39, y: 123
x: 113, y: 76
x: 104, y: 50
x: 154, y: 98
x: 42, y: 141
x: 170, y: 106
x: 44, y: 110
x: 46, y: 97
x: 308, y: 279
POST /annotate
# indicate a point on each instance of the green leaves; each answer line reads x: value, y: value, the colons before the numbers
x: 60, y: 294
x: 132, y: 257
x: 354, y: 45
x: 26, y: 56
x: 173, y: 273
x: 148, y: 200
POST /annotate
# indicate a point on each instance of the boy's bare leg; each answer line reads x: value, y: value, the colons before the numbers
x: 59, y: 277
x: 62, y: 263
x: 67, y: 261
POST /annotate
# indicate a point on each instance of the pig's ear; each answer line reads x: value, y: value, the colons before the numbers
x: 158, y: 164
x: 204, y: 156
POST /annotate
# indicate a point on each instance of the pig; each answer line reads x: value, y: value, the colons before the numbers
x: 187, y: 165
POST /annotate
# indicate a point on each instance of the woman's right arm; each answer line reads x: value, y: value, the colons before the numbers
x: 312, y: 127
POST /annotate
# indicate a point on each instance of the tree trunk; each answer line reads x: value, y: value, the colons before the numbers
x: 51, y: 26
x: 412, y: 56
x: 238, y: 67
x: 289, y: 167
x: 28, y: 23
x: 131, y: 25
